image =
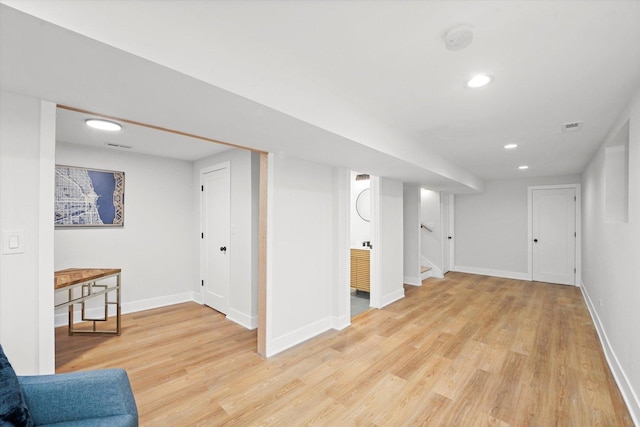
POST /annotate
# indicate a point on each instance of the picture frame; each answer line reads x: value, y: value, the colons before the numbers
x: 87, y: 197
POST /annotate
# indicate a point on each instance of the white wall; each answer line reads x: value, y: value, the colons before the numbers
x: 341, y: 287
x: 243, y: 247
x: 412, y: 231
x: 387, y: 253
x: 610, y: 263
x: 360, y: 229
x: 491, y: 227
x: 27, y: 141
x: 300, y: 262
x: 155, y: 248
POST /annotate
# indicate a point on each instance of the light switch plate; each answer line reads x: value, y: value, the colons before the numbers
x: 12, y: 242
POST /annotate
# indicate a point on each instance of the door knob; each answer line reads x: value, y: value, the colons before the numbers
x: 535, y: 240
x: 223, y: 248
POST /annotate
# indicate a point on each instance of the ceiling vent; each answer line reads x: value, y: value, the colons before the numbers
x: 458, y: 37
x: 112, y: 145
x: 571, y: 126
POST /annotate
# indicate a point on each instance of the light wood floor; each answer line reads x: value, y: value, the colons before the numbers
x: 463, y: 351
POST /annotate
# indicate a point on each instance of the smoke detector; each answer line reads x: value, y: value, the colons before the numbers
x: 458, y: 37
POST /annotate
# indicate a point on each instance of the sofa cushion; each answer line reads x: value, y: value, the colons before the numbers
x: 88, y: 396
x: 13, y: 409
x: 113, y: 421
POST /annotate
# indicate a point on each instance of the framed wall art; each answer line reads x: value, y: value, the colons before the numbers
x: 88, y: 197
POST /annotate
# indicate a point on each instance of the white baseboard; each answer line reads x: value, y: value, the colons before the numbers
x: 242, y: 319
x: 148, y: 304
x: 340, y: 322
x: 197, y: 297
x: 62, y: 317
x: 490, y: 272
x: 413, y: 281
x: 392, y: 297
x: 628, y: 393
x: 293, y: 338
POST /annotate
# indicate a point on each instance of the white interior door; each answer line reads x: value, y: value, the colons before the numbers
x: 554, y: 235
x: 216, y: 194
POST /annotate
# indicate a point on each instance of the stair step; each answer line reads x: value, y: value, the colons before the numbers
x: 424, y: 269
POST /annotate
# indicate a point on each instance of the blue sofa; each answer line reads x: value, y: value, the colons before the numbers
x: 90, y: 398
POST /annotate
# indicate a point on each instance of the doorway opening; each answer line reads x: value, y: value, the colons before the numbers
x: 360, y: 242
x: 156, y: 247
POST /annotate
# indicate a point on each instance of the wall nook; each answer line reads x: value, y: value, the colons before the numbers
x: 617, y: 177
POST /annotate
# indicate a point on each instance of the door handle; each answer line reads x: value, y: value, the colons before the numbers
x: 535, y: 240
x: 223, y: 249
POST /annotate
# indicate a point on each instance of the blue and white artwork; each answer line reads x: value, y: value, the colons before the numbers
x: 88, y: 197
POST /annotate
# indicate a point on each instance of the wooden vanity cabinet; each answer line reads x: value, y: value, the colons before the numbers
x: 360, y: 276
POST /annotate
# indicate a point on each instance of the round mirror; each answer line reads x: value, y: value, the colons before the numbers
x: 363, y: 204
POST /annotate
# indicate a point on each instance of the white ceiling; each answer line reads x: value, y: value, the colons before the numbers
x: 377, y: 72
x: 70, y: 127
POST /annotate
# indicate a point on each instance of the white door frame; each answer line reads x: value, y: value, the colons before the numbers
x: 203, y: 172
x: 446, y: 231
x: 450, y: 233
x: 578, y: 261
x: 375, y: 293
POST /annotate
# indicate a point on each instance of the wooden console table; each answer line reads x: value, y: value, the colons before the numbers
x: 84, y: 279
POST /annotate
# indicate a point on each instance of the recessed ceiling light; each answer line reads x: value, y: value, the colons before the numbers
x: 510, y: 146
x: 478, y: 80
x: 523, y: 167
x: 103, y: 124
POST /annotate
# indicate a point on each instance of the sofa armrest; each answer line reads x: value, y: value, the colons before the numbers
x: 79, y: 395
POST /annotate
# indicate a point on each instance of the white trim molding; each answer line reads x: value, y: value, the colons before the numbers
x: 242, y: 319
x: 340, y: 322
x: 491, y: 272
x: 62, y: 317
x: 290, y: 339
x: 392, y: 297
x: 413, y: 281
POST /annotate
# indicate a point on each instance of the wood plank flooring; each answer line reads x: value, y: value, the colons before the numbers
x: 466, y: 350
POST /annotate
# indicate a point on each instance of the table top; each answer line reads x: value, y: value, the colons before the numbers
x: 73, y: 276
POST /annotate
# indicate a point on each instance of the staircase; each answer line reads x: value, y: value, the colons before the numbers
x: 425, y: 272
